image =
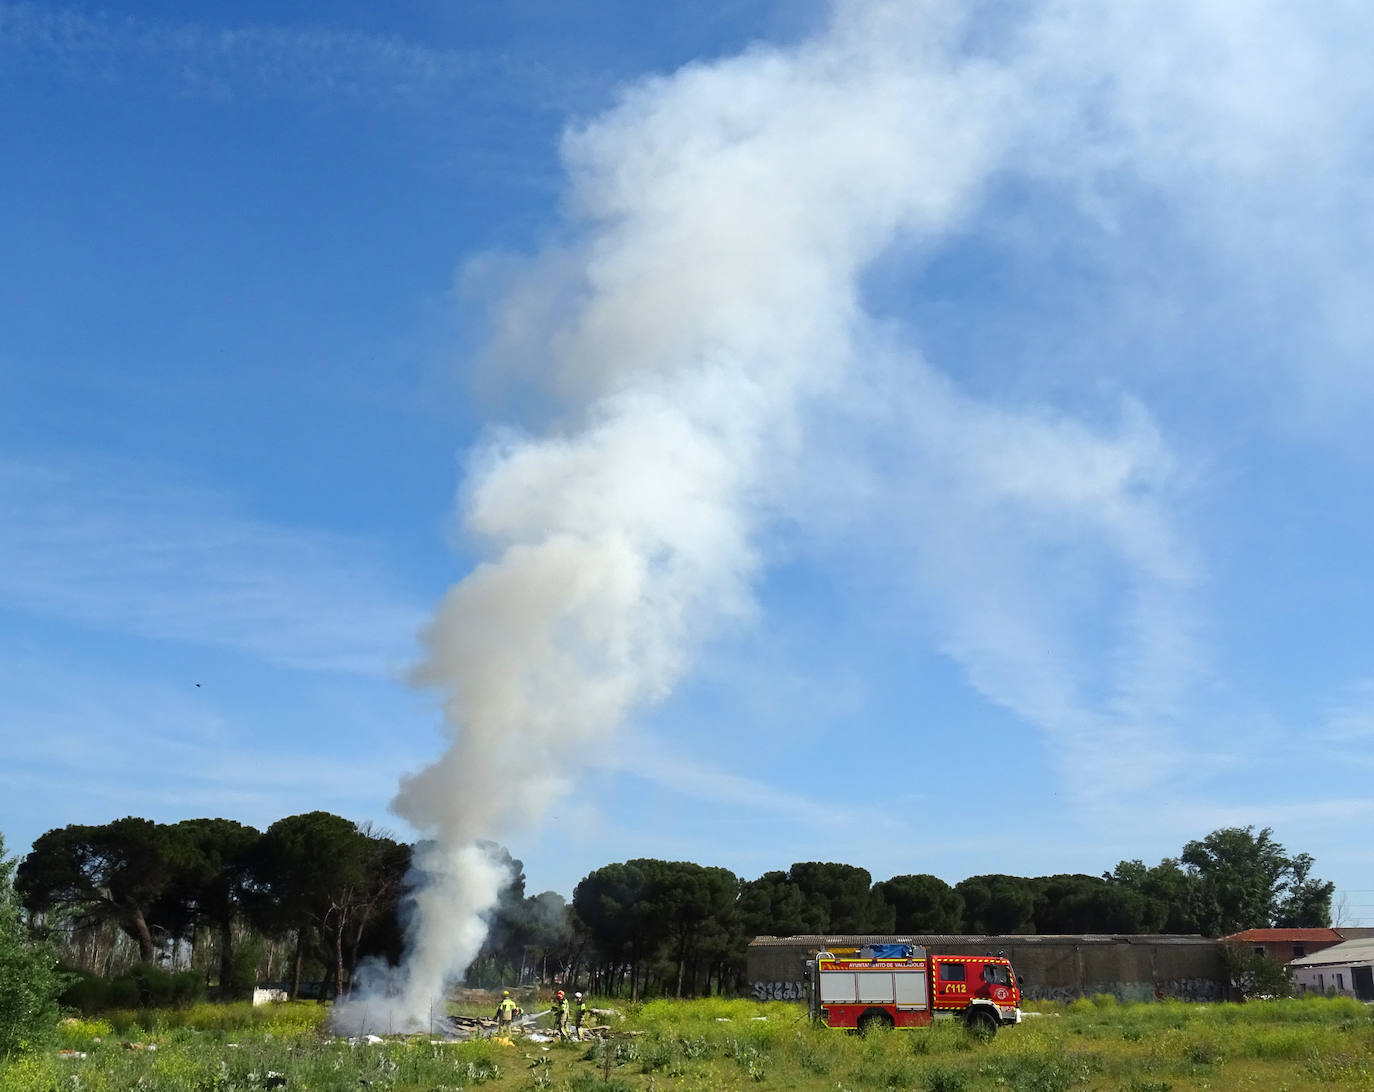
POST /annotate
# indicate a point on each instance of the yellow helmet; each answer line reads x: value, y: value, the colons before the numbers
x: 505, y: 993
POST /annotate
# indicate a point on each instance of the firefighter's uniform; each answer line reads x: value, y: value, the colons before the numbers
x: 506, y: 1011
x: 560, y: 1012
x: 581, y: 1006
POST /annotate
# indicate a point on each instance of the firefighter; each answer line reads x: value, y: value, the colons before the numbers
x: 581, y: 1006
x: 560, y: 1013
x: 506, y: 1012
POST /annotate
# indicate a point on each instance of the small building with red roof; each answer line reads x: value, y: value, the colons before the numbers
x: 1284, y: 945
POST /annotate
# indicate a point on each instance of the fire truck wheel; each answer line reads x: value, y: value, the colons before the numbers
x: 981, y: 1023
x: 874, y: 1021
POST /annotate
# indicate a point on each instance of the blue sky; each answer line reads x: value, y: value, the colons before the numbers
x: 1055, y: 534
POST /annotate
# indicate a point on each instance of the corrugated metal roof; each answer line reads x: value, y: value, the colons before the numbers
x: 1284, y: 936
x: 854, y: 940
x: 1349, y: 951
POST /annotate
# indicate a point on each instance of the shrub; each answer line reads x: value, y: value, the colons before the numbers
x: 1254, y: 974
x: 85, y: 992
x: 243, y: 971
x: 146, y: 986
x: 29, y: 977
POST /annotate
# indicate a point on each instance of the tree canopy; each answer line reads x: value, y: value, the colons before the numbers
x: 321, y: 893
x: 119, y: 871
x: 922, y: 904
x: 1244, y: 880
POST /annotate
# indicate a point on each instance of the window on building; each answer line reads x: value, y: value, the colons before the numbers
x: 1321, y: 983
x: 1259, y: 949
x: 952, y: 972
x: 1340, y: 981
x: 1299, y: 950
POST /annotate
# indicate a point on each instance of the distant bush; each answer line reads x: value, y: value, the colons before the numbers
x: 1254, y: 974
x: 142, y: 987
x: 243, y: 971
x: 86, y: 993
x: 29, y: 978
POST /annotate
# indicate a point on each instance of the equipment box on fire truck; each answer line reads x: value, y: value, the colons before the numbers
x: 900, y: 986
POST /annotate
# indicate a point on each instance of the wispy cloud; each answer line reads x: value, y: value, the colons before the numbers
x: 1041, y: 552
x: 1350, y: 718
x: 123, y: 549
x: 1226, y: 147
x: 666, y: 767
x: 267, y: 60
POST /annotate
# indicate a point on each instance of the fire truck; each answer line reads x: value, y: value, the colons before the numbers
x: 883, y: 986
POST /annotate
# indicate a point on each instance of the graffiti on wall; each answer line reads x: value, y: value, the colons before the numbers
x: 777, y: 991
x: 1192, y: 989
x: 1180, y: 989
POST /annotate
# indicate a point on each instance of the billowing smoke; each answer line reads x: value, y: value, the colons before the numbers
x: 705, y: 300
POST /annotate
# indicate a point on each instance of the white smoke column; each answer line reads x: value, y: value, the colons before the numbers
x: 725, y: 215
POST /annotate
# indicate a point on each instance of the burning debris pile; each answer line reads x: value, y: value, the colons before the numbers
x: 534, y: 1026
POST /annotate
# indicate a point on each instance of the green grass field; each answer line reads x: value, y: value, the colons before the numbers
x: 716, y: 1045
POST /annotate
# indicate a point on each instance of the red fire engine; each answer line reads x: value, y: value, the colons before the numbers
x: 900, y: 986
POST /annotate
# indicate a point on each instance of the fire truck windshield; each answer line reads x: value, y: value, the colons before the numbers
x: 997, y: 974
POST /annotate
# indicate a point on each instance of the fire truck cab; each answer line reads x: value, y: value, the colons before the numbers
x: 901, y: 986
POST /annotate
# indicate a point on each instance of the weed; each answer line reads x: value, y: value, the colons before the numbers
x: 1037, y: 1072
x: 694, y: 1048
x: 658, y: 1055
x: 815, y: 1054
x: 1204, y: 1051
x: 1342, y: 1069
x: 946, y: 1079
x: 898, y: 1074
x: 749, y: 1058
x: 592, y: 1082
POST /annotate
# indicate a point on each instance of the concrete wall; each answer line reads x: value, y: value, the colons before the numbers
x: 1323, y: 979
x: 1336, y: 979
x: 1049, y: 968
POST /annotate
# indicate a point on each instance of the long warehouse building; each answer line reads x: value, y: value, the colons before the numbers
x: 1049, y: 968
